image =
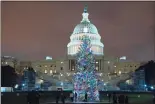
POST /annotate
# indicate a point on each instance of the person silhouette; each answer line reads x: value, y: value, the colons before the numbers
x: 57, y: 98
x: 114, y: 98
x: 86, y: 96
x: 33, y: 97
x: 75, y: 96
x: 71, y: 96
x: 121, y: 99
x: 29, y: 98
x: 62, y: 98
x: 109, y: 96
x: 126, y: 99
x: 154, y: 98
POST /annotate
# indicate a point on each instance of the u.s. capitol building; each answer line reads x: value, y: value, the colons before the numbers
x: 61, y: 70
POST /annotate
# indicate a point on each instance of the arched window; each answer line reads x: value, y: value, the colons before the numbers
x: 61, y: 68
x: 45, y: 71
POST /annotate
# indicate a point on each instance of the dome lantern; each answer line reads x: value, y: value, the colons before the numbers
x: 85, y: 26
x: 85, y: 15
x: 85, y: 9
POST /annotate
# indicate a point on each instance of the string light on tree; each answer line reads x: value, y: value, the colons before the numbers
x: 85, y: 80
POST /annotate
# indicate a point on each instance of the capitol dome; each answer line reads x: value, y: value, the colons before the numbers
x: 80, y: 28
x: 85, y: 28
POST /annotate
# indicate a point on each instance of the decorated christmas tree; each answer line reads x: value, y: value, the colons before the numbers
x: 85, y: 80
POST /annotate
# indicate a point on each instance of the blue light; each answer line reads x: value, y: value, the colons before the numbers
x: 145, y: 85
x: 3, y: 89
x: 16, y: 86
x: 152, y: 87
x: 23, y: 84
x: 61, y: 84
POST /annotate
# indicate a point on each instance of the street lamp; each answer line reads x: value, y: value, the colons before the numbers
x: 152, y: 87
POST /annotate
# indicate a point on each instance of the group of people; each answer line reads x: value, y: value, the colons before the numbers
x: 33, y: 97
x: 118, y: 99
x: 74, y: 98
x: 61, y: 96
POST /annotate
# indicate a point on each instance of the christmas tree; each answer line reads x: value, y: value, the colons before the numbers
x: 85, y: 80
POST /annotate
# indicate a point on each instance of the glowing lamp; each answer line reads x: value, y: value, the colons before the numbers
x: 152, y: 87
x: 48, y: 58
x: 16, y: 86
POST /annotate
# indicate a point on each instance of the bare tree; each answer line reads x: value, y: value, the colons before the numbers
x: 15, y: 63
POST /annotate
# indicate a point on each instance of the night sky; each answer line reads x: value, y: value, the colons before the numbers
x: 33, y: 30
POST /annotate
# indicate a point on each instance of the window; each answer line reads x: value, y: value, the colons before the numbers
x: 85, y: 30
x: 45, y: 71
x: 61, y: 68
x: 96, y: 68
x: 51, y: 72
x: 119, y: 72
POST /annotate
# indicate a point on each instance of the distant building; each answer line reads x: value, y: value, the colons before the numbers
x: 126, y: 67
x: 45, y: 66
x: 24, y: 65
x: 29, y: 79
x: 149, y: 74
x: 139, y: 80
x: 11, y: 61
x: 48, y: 58
x: 8, y: 60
